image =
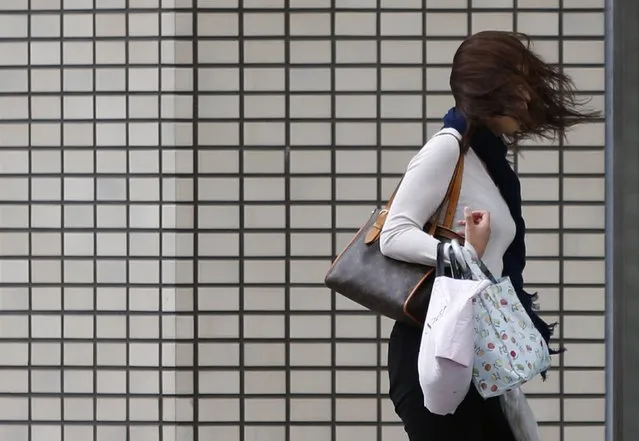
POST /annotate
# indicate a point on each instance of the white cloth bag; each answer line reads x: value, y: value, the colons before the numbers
x: 446, y: 353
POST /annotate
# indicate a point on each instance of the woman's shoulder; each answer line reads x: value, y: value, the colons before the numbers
x: 444, y: 146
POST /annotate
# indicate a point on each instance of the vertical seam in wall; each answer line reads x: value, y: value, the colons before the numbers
x: 95, y: 234
x: 62, y: 221
x: 378, y: 197
x: 195, y: 209
x: 560, y: 183
x: 127, y: 87
x: 160, y: 312
x: 333, y: 178
x: 287, y: 224
x: 241, y: 220
x: 613, y: 403
x: 30, y: 234
x: 469, y: 18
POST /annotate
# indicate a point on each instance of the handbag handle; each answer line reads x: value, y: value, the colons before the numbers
x: 456, y: 270
x: 472, y: 267
x: 451, y: 197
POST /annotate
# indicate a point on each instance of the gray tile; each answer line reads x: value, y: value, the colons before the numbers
x: 350, y: 52
x: 20, y: 5
x: 264, y: 244
x: 355, y: 4
x: 263, y: 24
x: 312, y: 106
x: 264, y: 134
x: 583, y: 23
x: 308, y: 134
x: 77, y: 25
x: 545, y: 409
x: 14, y: 80
x: 42, y: 354
x: 217, y: 24
x: 584, y: 271
x: 143, y: 24
x: 583, y: 51
x: 42, y: 408
x: 80, y: 432
x: 78, y: 409
x: 356, y: 409
x: 587, y: 432
x: 15, y: 381
x: 355, y: 79
x: 589, y: 78
x: 402, y: 79
x: 228, y: 382
x: 538, y: 23
x: 315, y: 24
x: 263, y: 162
x: 15, y: 327
x: 489, y: 4
x: 16, y: 53
x: 400, y: 23
x: 258, y: 79
x: 310, y: 409
x: 111, y: 409
x: 300, y: 52
x: 260, y: 3
x: 79, y: 354
x: 446, y: 24
x: 264, y: 409
x: 271, y: 298
x: 355, y: 23
x: 264, y: 106
x: 219, y: 409
x: 584, y: 299
x: 110, y: 25
x: 401, y: 106
x: 108, y: 432
x: 534, y: 4
x: 584, y: 189
x: 309, y: 433
x: 46, y: 381
x: 498, y: 21
x: 143, y: 409
x: 584, y: 410
x: 356, y: 189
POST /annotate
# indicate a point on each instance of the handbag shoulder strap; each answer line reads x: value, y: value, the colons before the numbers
x: 450, y: 201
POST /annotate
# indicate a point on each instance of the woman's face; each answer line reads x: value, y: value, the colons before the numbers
x: 504, y: 125
x: 507, y: 125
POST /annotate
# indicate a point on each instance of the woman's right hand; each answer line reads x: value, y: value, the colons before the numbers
x: 477, y: 229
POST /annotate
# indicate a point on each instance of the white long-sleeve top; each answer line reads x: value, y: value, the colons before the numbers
x: 421, y: 192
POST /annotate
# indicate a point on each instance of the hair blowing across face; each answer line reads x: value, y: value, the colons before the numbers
x: 496, y: 74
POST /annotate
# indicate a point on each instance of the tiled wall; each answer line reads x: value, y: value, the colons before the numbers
x: 104, y: 229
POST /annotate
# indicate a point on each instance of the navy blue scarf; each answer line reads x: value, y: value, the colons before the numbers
x: 492, y: 150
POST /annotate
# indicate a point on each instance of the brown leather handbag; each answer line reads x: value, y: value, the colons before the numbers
x: 390, y: 287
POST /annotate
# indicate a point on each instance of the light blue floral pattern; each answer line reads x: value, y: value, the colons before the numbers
x: 509, y: 350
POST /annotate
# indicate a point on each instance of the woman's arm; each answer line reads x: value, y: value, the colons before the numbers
x: 420, y: 193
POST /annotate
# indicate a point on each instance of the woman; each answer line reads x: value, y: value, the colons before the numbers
x: 502, y: 90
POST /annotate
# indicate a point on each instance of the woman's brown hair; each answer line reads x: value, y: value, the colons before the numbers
x: 496, y: 73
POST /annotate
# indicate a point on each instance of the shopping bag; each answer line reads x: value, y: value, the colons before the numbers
x: 446, y: 352
x: 509, y: 350
x: 520, y: 415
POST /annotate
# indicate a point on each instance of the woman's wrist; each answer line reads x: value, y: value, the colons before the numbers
x: 477, y: 252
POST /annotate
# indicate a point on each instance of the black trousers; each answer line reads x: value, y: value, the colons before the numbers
x: 475, y: 419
